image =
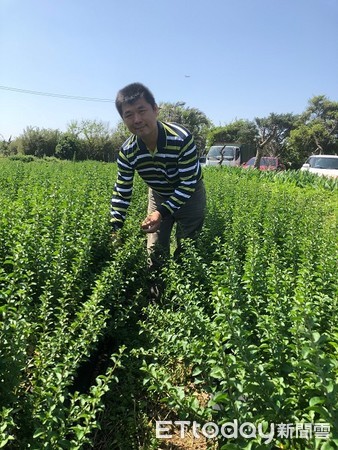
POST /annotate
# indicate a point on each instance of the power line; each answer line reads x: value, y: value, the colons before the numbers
x: 50, y: 94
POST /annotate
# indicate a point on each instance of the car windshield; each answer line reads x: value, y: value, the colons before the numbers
x: 265, y: 161
x: 269, y: 162
x: 318, y: 162
x: 216, y: 151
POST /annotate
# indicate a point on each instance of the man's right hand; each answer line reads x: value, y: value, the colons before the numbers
x: 115, y: 240
x: 152, y: 222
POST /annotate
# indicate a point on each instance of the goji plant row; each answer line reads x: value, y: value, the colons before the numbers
x: 246, y: 327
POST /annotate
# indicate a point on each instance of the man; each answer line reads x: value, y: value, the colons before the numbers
x: 165, y: 156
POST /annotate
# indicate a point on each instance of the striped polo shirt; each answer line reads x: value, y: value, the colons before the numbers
x: 172, y: 170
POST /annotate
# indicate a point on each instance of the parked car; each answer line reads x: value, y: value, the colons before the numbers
x: 266, y: 163
x: 325, y: 165
x: 229, y: 154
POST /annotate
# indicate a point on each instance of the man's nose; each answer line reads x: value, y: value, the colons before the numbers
x: 137, y: 118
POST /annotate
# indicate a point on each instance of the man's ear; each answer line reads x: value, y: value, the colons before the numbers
x: 156, y: 109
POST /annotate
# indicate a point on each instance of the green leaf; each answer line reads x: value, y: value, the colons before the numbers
x: 327, y: 446
x: 39, y: 432
x: 217, y: 372
x: 220, y: 398
x: 196, y: 371
x: 323, y: 412
x: 316, y: 401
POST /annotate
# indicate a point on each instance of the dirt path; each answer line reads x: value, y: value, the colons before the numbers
x: 189, y: 442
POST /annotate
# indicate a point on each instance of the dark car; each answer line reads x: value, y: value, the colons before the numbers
x: 266, y: 163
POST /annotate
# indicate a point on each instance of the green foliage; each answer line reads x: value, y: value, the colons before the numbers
x: 119, y: 136
x: 192, y: 118
x: 246, y: 328
x: 95, y: 138
x: 23, y: 158
x: 59, y: 285
x: 292, y: 138
x: 39, y: 142
x: 316, y: 130
x: 273, y: 133
x: 68, y: 147
x: 243, y: 131
x: 5, y: 146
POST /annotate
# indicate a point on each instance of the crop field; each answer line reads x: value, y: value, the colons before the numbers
x: 245, y: 334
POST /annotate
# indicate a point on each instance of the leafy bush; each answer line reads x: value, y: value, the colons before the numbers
x: 246, y: 328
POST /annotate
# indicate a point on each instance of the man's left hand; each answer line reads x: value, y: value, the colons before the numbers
x: 152, y: 222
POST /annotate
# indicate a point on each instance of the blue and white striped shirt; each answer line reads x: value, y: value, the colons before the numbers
x: 172, y: 171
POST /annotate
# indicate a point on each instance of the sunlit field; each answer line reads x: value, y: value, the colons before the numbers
x: 246, y: 329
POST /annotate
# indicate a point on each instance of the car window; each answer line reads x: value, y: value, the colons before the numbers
x: 269, y: 162
x: 251, y: 161
x: 265, y: 161
x: 323, y: 163
x: 215, y: 151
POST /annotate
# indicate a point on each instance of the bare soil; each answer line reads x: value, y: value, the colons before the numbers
x: 189, y: 442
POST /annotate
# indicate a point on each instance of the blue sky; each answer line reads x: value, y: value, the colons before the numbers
x: 232, y: 59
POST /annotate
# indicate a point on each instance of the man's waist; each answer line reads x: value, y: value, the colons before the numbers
x: 167, y: 193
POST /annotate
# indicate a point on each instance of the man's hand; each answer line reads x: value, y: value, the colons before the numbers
x: 115, y: 240
x: 152, y: 222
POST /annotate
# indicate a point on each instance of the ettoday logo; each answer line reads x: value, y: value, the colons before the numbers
x: 246, y: 430
x: 210, y: 430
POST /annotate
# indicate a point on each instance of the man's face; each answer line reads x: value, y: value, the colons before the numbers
x: 140, y: 118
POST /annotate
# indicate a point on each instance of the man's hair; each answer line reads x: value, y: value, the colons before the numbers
x: 131, y: 93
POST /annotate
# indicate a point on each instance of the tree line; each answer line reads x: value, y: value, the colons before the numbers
x: 291, y: 137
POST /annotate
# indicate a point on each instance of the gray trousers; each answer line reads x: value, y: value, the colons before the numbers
x: 189, y: 221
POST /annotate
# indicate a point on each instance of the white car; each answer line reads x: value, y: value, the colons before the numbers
x: 325, y: 165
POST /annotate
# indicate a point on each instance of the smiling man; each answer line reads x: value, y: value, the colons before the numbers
x: 165, y: 156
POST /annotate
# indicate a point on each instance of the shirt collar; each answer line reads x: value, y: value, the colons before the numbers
x: 161, y: 139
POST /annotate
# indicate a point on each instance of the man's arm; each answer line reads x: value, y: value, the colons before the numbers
x: 122, y: 192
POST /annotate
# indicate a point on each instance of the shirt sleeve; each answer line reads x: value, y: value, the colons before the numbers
x: 122, y: 192
x: 189, y: 173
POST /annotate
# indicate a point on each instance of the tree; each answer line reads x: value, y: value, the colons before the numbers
x: 96, y: 139
x: 39, y: 142
x: 68, y: 147
x: 299, y: 143
x: 273, y: 132
x: 5, y: 145
x: 192, y: 118
x: 241, y: 131
x: 316, y: 131
x: 321, y: 111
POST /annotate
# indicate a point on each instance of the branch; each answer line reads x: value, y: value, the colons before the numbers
x: 269, y: 138
x: 319, y: 147
x: 334, y: 128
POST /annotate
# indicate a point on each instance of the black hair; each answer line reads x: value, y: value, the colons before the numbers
x: 131, y: 93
